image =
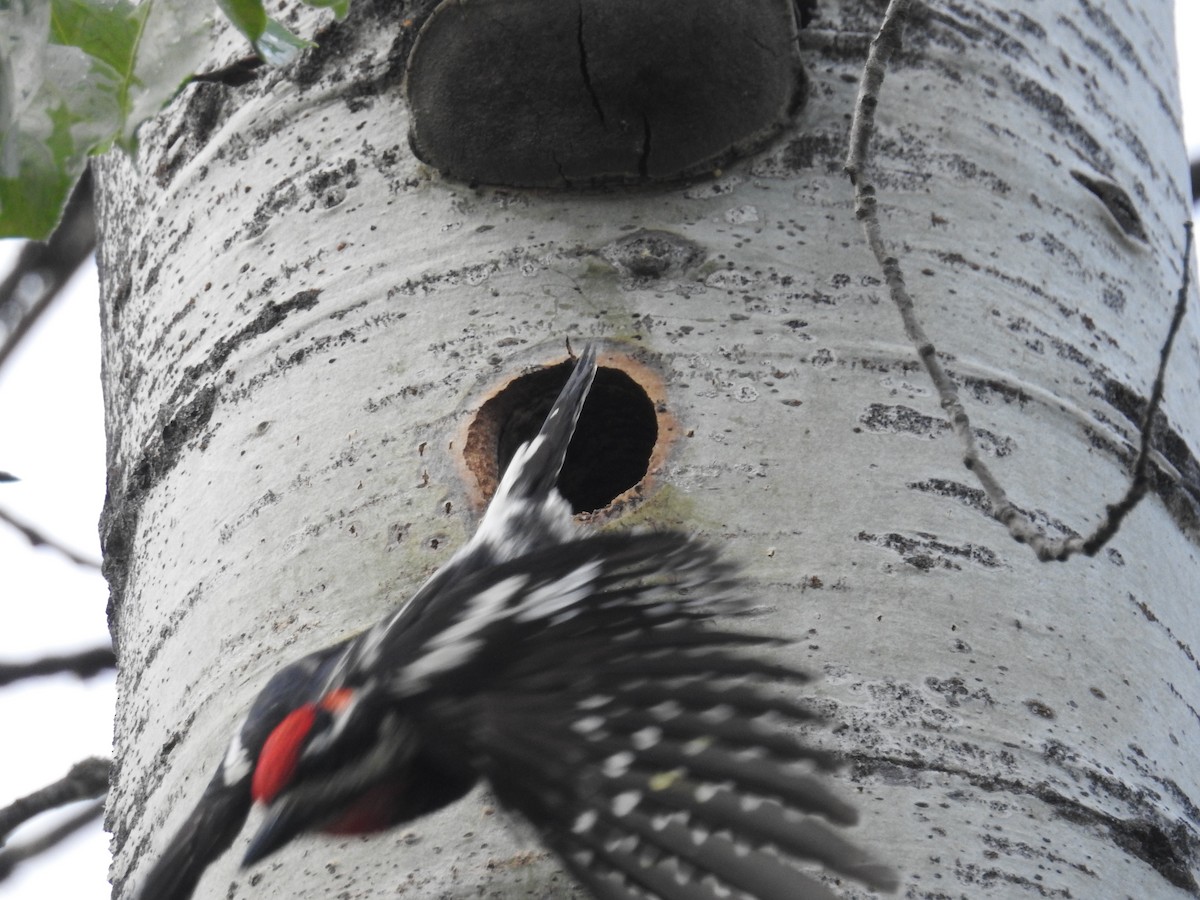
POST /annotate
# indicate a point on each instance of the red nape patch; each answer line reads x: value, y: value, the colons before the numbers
x: 337, y: 700
x: 373, y: 811
x: 280, y: 754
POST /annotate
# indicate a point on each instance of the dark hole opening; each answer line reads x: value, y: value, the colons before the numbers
x: 611, y: 449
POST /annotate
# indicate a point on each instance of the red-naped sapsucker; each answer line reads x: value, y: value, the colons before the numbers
x: 586, y: 678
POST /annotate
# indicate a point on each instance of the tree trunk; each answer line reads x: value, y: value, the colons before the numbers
x: 302, y: 319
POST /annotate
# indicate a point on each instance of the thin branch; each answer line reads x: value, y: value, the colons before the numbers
x: 1117, y: 512
x: 87, y: 778
x: 53, y: 261
x: 84, y: 664
x: 12, y: 857
x: 862, y: 125
x: 862, y: 128
x: 37, y: 539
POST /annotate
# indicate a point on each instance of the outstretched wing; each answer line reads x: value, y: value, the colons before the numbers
x: 564, y: 598
x: 526, y: 513
x: 655, y: 753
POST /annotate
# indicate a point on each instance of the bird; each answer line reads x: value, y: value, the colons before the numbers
x: 590, y: 677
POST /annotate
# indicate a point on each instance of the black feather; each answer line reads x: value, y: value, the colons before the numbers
x: 205, y: 834
x: 527, y: 513
x: 653, y: 752
x: 538, y: 475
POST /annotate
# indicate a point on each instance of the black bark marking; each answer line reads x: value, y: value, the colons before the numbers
x: 180, y: 421
x: 1170, y: 847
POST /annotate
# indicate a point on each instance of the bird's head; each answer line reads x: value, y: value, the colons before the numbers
x: 336, y: 765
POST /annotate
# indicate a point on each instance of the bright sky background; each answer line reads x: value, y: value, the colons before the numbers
x: 53, y: 439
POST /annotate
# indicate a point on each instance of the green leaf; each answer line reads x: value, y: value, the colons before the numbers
x: 91, y: 71
x: 247, y: 16
x: 32, y: 198
x: 107, y: 34
x: 274, y: 43
x: 340, y: 7
x: 64, y: 106
x: 278, y: 46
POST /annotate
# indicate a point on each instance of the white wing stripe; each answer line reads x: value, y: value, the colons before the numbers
x: 559, y: 594
x: 237, y: 763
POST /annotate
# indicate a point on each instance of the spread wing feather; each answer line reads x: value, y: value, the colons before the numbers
x: 658, y: 752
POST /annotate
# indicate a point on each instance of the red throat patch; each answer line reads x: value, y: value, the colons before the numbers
x: 375, y: 810
x: 280, y: 754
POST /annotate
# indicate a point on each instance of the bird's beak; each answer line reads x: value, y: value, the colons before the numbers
x: 282, y: 824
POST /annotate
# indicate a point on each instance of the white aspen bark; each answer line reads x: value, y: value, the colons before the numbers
x: 300, y: 318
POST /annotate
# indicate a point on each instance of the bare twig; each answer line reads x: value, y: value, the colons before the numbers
x: 12, y: 857
x: 84, y: 664
x: 53, y: 261
x: 37, y: 539
x: 1117, y: 512
x: 862, y: 128
x: 87, y: 778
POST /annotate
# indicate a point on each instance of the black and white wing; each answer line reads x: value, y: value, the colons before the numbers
x: 525, y: 514
x: 654, y: 751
